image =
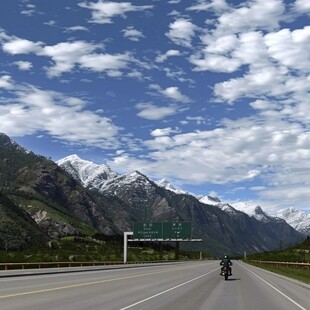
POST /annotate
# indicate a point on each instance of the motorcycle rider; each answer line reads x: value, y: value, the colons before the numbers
x: 226, y: 262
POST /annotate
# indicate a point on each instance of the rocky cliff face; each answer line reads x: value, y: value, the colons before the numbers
x: 57, y: 203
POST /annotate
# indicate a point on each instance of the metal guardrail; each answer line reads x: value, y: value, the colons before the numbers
x: 39, y: 265
x: 285, y: 264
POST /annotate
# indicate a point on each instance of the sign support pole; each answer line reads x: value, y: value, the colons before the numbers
x: 177, y: 250
x: 126, y: 234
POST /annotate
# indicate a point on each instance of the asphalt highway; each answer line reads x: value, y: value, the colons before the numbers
x: 182, y: 286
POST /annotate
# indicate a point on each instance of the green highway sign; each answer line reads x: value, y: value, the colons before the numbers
x: 162, y: 230
x: 177, y: 230
x: 148, y: 230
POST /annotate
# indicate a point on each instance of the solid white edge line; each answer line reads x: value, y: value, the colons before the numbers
x: 168, y: 290
x: 284, y: 295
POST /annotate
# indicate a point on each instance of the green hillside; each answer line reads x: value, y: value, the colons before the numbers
x: 297, y: 254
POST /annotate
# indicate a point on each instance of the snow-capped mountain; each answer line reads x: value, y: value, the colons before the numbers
x: 208, y: 200
x: 102, y: 178
x: 215, y: 201
x: 167, y: 185
x: 133, y: 197
x: 88, y: 173
x: 297, y: 219
x: 127, y: 181
x: 254, y: 211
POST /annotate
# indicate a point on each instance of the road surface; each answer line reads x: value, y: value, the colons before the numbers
x: 182, y: 286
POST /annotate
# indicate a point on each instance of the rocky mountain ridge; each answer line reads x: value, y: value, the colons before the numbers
x: 82, y: 198
x: 295, y: 218
x: 146, y: 200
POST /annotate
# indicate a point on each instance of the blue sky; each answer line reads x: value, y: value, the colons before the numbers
x: 212, y: 95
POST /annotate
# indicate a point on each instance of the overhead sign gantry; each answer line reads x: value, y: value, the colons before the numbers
x: 160, y: 231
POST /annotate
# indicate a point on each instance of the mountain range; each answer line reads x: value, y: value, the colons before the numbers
x: 294, y: 217
x: 43, y: 200
x: 126, y: 187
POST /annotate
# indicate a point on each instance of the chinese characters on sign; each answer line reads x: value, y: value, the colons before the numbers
x: 162, y: 230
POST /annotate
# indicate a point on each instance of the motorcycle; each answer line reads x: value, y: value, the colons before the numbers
x: 225, y: 272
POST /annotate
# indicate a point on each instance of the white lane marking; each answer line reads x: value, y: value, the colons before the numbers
x: 91, y: 283
x: 168, y: 290
x: 284, y: 295
x: 76, y: 272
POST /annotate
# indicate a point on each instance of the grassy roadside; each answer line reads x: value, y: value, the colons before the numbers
x: 300, y: 274
x: 86, y: 249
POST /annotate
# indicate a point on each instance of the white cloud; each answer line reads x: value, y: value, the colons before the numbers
x: 221, y: 45
x: 29, y: 11
x: 217, y: 63
x: 238, y: 151
x: 76, y: 28
x: 21, y: 46
x: 197, y: 119
x: 65, y: 55
x: 34, y: 110
x: 51, y: 23
x: 253, y: 15
x: 263, y: 105
x: 23, y: 65
x: 132, y: 34
x: 178, y: 74
x: 153, y: 112
x: 258, y: 81
x: 164, y: 132
x: 206, y: 5
x: 290, y: 48
x: 105, y: 62
x: 181, y: 32
x: 266, y: 77
x: 135, y: 74
x: 169, y: 53
x: 302, y: 6
x: 6, y: 82
x: 172, y: 93
x: 278, y: 63
x: 103, y: 12
x: 175, y: 94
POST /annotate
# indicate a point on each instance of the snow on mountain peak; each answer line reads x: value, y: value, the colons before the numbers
x: 297, y: 219
x: 252, y: 210
x: 87, y: 172
x: 102, y: 178
x: 208, y: 200
x: 167, y: 185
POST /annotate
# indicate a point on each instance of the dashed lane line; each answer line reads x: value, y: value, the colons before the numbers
x: 90, y: 283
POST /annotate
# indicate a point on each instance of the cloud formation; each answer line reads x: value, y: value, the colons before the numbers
x: 210, y: 93
x: 32, y: 110
x: 132, y: 34
x: 65, y: 56
x: 181, y: 32
x: 172, y: 93
x: 103, y: 12
x: 153, y: 112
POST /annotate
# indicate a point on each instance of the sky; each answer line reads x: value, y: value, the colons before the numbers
x: 212, y: 95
